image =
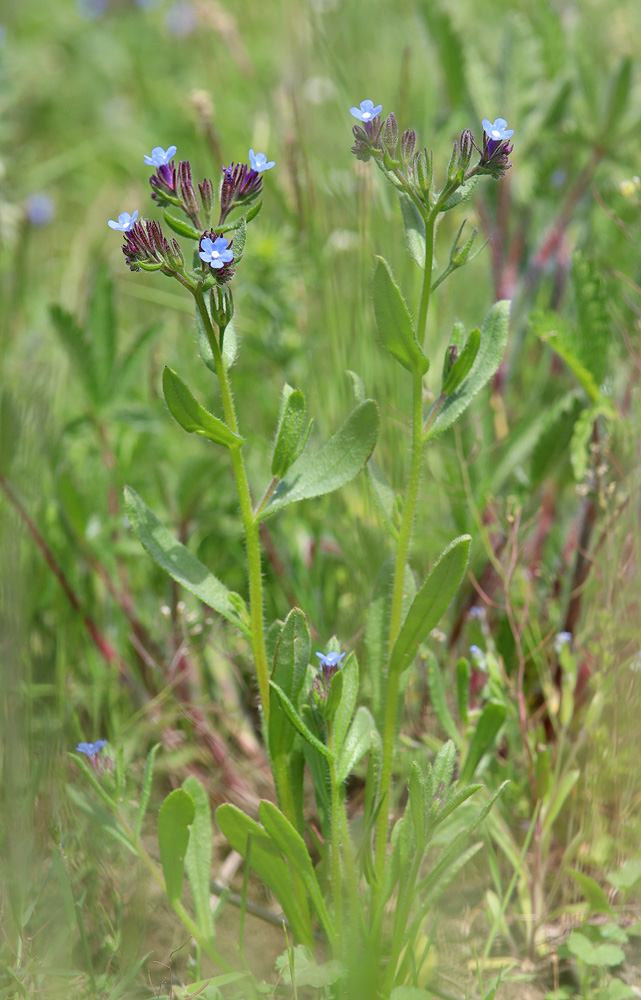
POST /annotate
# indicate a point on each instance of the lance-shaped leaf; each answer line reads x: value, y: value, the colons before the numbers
x: 431, y: 601
x: 483, y: 738
x: 193, y: 417
x: 290, y: 667
x: 174, y: 819
x: 198, y: 856
x: 298, y: 723
x: 181, y: 227
x: 181, y: 564
x: 338, y: 461
x: 393, y: 320
x: 287, y: 446
x: 463, y: 364
x: 414, y: 229
x: 461, y: 194
x: 490, y: 354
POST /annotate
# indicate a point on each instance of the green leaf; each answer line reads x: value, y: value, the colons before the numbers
x: 193, y: 417
x: 239, y: 240
x: 181, y: 564
x: 292, y: 846
x: 377, y: 626
x: 431, y: 602
x: 410, y: 993
x: 463, y: 674
x: 307, y: 972
x: 602, y: 955
x: 552, y: 809
x: 337, y: 462
x: 298, y: 723
x: 393, y: 320
x: 627, y: 876
x: 596, y: 897
x: 438, y: 699
x: 463, y: 364
x: 145, y: 791
x: 554, y: 330
x: 349, y: 694
x: 290, y: 668
x: 248, y: 838
x: 414, y: 229
x: 483, y: 738
x: 382, y: 492
x: 79, y: 348
x: 582, y: 436
x: 451, y: 52
x: 618, y: 95
x: 176, y: 814
x: 461, y: 194
x: 494, y: 334
x: 290, y: 429
x: 198, y: 857
x: 181, y: 227
x: 356, y: 744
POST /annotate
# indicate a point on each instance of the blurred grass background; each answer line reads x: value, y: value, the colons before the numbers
x: 85, y: 90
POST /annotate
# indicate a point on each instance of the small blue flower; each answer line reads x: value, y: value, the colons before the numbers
x: 216, y: 252
x: 497, y: 130
x: 40, y: 209
x: 159, y: 156
x: 561, y: 640
x: 367, y: 111
x: 125, y: 222
x: 330, y: 659
x: 259, y: 162
x: 91, y: 749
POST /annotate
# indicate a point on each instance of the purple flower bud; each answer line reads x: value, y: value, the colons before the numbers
x: 164, y: 184
x: 187, y: 193
x: 240, y: 184
x: 390, y: 133
x: 496, y: 148
x: 147, y: 248
x: 206, y: 191
x: 408, y: 143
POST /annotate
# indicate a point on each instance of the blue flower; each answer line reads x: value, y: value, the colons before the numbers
x: 125, y: 222
x: 330, y: 659
x: 561, y: 640
x: 40, y: 209
x: 367, y: 111
x: 91, y: 749
x: 216, y: 252
x: 159, y: 156
x: 259, y: 162
x: 497, y: 130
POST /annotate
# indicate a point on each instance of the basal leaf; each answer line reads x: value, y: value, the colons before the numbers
x: 174, y: 819
x: 198, y: 856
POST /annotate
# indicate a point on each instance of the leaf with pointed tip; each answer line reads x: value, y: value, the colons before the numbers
x: 393, y: 320
x: 174, y: 819
x: 337, y: 462
x: 193, y: 417
x: 181, y: 564
x: 181, y: 227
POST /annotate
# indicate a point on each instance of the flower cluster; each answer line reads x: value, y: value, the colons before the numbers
x: 147, y: 248
x: 240, y: 184
x: 92, y: 751
x: 215, y: 250
x: 496, y: 148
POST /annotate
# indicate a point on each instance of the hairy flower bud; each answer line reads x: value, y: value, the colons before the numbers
x: 147, y: 248
x: 390, y: 134
x: 408, y: 143
x: 187, y: 193
x: 206, y: 191
x: 240, y: 184
x: 466, y: 146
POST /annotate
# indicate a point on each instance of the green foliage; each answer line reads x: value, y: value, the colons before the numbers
x: 393, y: 321
x: 174, y: 819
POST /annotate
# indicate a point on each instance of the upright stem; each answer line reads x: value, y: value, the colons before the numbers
x: 430, y: 222
x: 250, y: 523
x: 393, y: 679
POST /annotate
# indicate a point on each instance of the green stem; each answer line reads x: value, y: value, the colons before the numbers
x: 393, y: 679
x: 250, y: 523
x: 335, y: 859
x: 426, y: 290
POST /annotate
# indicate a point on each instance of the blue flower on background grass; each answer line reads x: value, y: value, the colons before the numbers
x: 259, y: 162
x: 367, y: 111
x: 40, y: 209
x: 216, y: 252
x: 91, y: 749
x: 159, y: 156
x: 497, y: 130
x: 561, y: 640
x: 125, y: 222
x: 330, y: 660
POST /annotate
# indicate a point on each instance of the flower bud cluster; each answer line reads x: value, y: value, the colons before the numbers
x: 329, y: 664
x: 240, y: 184
x: 147, y: 248
x: 496, y: 148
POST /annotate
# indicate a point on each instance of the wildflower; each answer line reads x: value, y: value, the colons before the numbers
x: 164, y: 184
x: 496, y: 148
x: 498, y: 130
x: 240, y: 184
x: 329, y: 664
x: 40, y: 209
x: 186, y: 186
x: 478, y: 657
x: 477, y: 611
x: 216, y: 252
x: 125, y: 222
x: 561, y: 640
x: 159, y: 156
x: 92, y: 751
x: 259, y: 162
x: 367, y: 112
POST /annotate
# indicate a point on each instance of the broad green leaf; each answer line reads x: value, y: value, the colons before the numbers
x: 596, y: 897
x: 414, y: 229
x: 198, y: 857
x: 307, y: 971
x: 193, y: 417
x: 298, y: 723
x: 491, y: 719
x: 603, y: 955
x: 293, y: 847
x: 174, y: 819
x: 181, y: 564
x: 337, y: 462
x: 181, y: 227
x: 393, y: 320
x: 382, y: 492
x: 145, y: 791
x: 356, y: 744
x: 431, y: 602
x: 247, y: 837
x: 627, y: 876
x: 494, y: 333
x: 290, y: 429
x: 290, y: 667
